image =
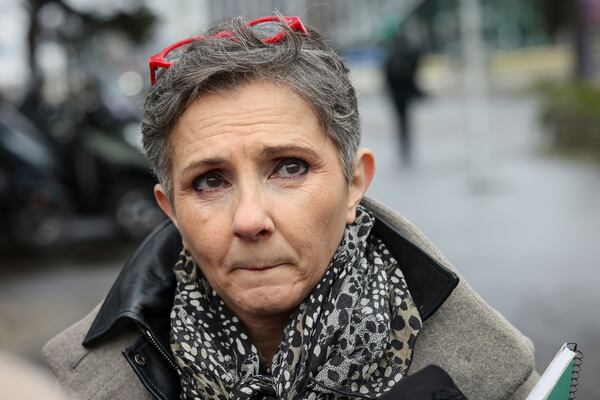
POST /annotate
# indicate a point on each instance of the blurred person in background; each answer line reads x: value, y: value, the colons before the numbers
x: 400, y: 70
x: 276, y: 278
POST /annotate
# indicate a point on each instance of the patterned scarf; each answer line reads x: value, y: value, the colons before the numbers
x: 352, y: 337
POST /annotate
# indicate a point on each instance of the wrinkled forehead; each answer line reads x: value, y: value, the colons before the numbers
x: 252, y: 117
x: 253, y: 104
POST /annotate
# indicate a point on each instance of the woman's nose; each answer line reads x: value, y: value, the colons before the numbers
x: 251, y: 219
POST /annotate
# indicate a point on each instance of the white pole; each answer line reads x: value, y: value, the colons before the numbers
x: 476, y: 92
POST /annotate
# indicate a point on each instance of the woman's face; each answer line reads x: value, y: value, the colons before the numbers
x: 259, y: 196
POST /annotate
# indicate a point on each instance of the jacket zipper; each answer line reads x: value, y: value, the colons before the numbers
x: 159, y: 348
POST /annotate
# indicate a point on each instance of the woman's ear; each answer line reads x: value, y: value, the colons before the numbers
x: 163, y: 202
x: 364, y: 170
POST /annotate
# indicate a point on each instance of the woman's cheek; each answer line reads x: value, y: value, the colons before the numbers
x: 325, y: 201
x: 202, y: 230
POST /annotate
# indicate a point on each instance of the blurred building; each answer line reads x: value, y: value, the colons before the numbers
x: 348, y: 24
x: 355, y: 23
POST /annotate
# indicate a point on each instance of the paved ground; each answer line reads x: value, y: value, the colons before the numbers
x: 528, y: 241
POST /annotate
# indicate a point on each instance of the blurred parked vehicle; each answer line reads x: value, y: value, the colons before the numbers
x: 88, y: 167
x: 33, y: 201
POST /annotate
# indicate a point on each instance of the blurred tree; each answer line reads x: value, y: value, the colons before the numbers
x: 557, y: 15
x: 574, y: 17
x: 136, y: 24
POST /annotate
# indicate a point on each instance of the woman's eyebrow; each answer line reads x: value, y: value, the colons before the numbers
x: 267, y: 151
x: 204, y: 163
x: 270, y: 151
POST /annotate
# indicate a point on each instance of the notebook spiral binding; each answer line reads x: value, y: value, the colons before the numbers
x: 577, y: 362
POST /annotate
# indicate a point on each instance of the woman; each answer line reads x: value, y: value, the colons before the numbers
x: 275, y: 278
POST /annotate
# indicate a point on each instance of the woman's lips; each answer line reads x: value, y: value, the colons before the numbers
x: 259, y: 263
x: 254, y: 268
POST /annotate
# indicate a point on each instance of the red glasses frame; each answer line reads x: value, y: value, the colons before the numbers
x: 159, y: 61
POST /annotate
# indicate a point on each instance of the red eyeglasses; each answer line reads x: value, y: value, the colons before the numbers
x: 266, y: 28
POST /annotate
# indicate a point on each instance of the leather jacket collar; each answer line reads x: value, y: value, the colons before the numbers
x: 144, y: 291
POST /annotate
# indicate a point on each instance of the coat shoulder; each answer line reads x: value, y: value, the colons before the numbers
x: 485, y: 355
x: 100, y: 372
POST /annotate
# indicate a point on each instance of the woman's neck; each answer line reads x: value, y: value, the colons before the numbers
x: 266, y: 333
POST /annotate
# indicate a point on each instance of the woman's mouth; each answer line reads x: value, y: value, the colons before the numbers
x: 255, y: 268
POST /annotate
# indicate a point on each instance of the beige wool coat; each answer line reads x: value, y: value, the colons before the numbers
x: 486, y: 356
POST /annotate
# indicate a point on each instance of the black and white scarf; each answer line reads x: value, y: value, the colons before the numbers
x: 352, y: 337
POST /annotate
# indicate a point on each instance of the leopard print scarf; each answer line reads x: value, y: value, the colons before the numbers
x: 353, y: 337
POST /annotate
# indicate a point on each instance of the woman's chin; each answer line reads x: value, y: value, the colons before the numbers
x: 267, y: 300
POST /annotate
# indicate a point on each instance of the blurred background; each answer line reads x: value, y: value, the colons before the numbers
x: 484, y: 116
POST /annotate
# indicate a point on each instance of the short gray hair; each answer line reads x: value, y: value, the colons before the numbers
x: 302, y: 62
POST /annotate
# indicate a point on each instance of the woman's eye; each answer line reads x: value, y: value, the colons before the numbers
x: 210, y: 182
x: 290, y: 168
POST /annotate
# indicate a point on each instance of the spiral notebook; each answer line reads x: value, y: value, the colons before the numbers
x: 560, y: 379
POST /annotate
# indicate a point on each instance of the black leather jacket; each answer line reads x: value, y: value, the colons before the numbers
x: 143, y: 296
